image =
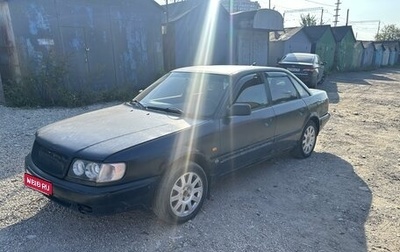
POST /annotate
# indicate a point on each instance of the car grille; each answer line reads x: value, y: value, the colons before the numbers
x: 49, y: 161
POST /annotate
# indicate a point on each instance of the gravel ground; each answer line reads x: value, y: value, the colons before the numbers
x: 343, y: 198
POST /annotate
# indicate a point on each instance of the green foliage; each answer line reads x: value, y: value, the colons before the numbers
x: 308, y: 20
x: 388, y: 33
x: 40, y: 87
x: 47, y: 87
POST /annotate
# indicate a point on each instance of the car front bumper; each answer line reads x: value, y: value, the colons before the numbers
x: 96, y: 199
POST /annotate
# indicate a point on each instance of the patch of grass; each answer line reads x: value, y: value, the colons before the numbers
x: 47, y: 87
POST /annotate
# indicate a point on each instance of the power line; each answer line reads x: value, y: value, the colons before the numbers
x: 330, y: 5
x: 370, y: 22
x: 305, y: 10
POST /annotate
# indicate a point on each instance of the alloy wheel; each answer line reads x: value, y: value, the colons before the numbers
x: 309, y: 138
x: 186, y: 194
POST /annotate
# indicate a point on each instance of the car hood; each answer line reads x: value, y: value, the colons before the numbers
x: 103, y: 132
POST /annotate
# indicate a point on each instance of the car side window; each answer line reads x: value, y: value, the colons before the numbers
x: 282, y: 89
x: 300, y: 88
x: 253, y: 92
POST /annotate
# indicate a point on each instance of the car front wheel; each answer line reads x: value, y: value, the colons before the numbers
x: 306, y: 144
x: 181, y: 193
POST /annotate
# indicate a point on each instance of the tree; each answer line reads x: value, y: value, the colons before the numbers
x: 388, y: 33
x: 308, y: 20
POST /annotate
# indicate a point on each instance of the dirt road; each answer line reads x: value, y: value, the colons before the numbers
x: 365, y: 131
x: 345, y: 197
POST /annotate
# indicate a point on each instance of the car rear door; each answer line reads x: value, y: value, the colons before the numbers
x: 247, y: 139
x: 290, y: 110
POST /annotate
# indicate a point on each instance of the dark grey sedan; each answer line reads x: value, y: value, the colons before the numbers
x: 308, y: 67
x: 165, y: 147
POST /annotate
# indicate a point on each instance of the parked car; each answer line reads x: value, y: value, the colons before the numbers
x: 308, y: 67
x: 165, y: 147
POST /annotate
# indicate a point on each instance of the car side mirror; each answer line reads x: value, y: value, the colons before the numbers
x: 240, y: 109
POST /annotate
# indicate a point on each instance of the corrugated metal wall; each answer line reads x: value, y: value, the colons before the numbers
x: 105, y: 44
x: 378, y: 55
x: 252, y: 47
x: 357, y: 57
x: 9, y: 64
x: 276, y: 51
x: 298, y: 43
x: 385, y: 55
x: 393, y: 53
x: 325, y: 48
x: 187, y: 43
x: 345, y: 53
x: 368, y: 55
x: 2, y: 98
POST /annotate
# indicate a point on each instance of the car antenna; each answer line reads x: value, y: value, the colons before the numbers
x: 254, y: 63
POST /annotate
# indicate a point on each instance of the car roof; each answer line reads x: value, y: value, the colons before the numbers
x: 302, y: 54
x: 226, y: 69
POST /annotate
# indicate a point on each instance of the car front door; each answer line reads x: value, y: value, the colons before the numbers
x: 245, y: 139
x: 290, y: 110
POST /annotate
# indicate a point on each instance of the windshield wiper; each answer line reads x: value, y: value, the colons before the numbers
x: 168, y: 110
x: 137, y: 104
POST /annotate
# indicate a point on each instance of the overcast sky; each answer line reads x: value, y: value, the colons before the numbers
x: 366, y: 16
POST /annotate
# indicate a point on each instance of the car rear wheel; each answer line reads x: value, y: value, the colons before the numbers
x: 322, y: 79
x: 181, y: 193
x: 307, y: 142
x: 314, y: 83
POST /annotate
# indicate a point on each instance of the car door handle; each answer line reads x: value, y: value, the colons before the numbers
x: 267, y: 123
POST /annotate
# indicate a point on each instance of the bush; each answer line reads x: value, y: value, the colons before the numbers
x: 46, y: 87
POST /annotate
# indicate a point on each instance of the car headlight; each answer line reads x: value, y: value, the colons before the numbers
x: 97, y: 172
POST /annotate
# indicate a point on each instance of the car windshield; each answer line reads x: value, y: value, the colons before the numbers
x: 190, y: 94
x: 298, y: 58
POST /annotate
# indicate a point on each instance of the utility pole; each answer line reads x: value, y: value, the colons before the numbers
x: 322, y: 17
x: 337, y: 9
x: 379, y: 27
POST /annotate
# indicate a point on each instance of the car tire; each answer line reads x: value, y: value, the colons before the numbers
x: 322, y: 79
x: 306, y: 143
x: 314, y: 83
x: 181, y: 193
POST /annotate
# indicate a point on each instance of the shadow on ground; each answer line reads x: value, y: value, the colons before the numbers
x: 317, y: 204
x: 330, y: 85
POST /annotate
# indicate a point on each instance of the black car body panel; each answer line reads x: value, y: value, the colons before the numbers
x: 149, y: 141
x: 96, y: 200
x: 93, y: 135
x: 307, y: 67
